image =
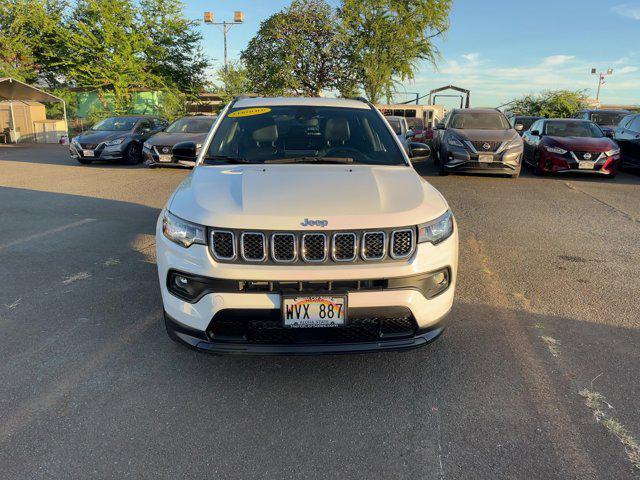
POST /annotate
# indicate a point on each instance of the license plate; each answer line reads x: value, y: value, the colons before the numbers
x: 485, y: 158
x: 586, y: 165
x: 87, y: 153
x: 314, y: 311
x: 165, y: 158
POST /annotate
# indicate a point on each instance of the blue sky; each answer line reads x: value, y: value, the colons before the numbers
x: 498, y: 49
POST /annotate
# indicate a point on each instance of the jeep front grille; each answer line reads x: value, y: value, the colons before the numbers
x: 253, y: 247
x: 299, y: 247
x: 314, y: 247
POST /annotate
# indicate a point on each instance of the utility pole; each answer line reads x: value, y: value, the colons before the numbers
x: 238, y: 18
x: 601, y: 81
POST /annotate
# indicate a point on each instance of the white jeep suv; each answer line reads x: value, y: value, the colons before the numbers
x: 304, y: 229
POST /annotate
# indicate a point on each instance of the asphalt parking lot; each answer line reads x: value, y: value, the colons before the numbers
x: 547, y: 306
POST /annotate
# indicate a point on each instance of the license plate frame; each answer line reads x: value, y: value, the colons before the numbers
x: 88, y: 153
x: 485, y: 158
x: 586, y: 165
x: 287, y: 299
x: 165, y: 158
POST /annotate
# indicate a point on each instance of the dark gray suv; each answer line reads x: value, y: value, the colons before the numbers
x: 477, y: 140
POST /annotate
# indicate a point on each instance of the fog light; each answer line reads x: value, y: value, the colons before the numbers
x: 181, y: 281
x: 440, y: 279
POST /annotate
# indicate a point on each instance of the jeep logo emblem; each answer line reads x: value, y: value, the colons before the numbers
x: 314, y: 223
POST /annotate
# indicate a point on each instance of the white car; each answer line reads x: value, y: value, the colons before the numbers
x: 304, y: 229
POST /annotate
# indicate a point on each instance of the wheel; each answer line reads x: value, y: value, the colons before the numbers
x: 132, y: 154
x: 536, y: 164
x: 83, y: 161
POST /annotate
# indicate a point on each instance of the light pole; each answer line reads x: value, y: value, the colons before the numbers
x: 601, y: 77
x: 238, y: 18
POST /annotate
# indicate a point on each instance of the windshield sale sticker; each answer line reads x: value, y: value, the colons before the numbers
x: 249, y: 112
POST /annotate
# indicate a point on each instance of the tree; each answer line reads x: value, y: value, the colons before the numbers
x: 551, y: 103
x: 299, y: 50
x: 387, y: 39
x: 175, y: 53
x: 235, y: 80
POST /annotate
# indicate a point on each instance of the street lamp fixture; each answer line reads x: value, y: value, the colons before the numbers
x: 238, y: 18
x: 601, y: 81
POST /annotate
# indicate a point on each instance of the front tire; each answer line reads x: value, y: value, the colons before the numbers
x: 133, y: 154
x: 537, y: 169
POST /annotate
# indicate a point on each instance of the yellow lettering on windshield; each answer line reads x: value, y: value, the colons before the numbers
x: 249, y: 112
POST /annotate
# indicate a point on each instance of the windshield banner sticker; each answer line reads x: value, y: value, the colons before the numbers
x: 249, y: 112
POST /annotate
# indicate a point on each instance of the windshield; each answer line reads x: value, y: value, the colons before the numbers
x: 607, y: 118
x: 260, y: 134
x: 191, y: 125
x: 480, y: 121
x: 395, y: 125
x: 115, y: 124
x: 415, y: 123
x: 572, y: 129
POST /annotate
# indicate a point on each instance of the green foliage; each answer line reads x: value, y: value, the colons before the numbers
x: 387, y: 39
x: 298, y: 50
x: 235, y: 80
x: 551, y: 103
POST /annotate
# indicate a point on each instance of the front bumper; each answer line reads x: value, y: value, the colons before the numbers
x: 100, y: 152
x: 459, y: 159
x: 191, y: 322
x: 556, y: 163
x: 151, y: 157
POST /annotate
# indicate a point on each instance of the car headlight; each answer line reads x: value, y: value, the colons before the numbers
x: 181, y: 231
x: 612, y: 152
x: 515, y: 143
x: 454, y: 142
x: 437, y: 230
x: 112, y: 143
x: 558, y: 150
x: 147, y: 145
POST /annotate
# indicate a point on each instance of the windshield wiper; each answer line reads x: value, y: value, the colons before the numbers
x: 227, y: 159
x: 311, y: 160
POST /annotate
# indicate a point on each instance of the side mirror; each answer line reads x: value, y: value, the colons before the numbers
x: 187, y: 151
x: 535, y: 133
x: 419, y: 150
x: 519, y: 127
x: 410, y: 134
x: 440, y: 126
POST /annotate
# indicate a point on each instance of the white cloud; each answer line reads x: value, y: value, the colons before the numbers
x: 627, y: 69
x: 555, y: 60
x: 628, y: 10
x: 471, y: 57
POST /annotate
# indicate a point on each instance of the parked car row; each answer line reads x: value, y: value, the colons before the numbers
x: 132, y: 139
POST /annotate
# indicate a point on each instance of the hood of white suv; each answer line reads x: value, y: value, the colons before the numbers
x: 282, y: 197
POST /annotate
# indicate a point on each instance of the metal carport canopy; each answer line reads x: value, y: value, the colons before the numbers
x: 12, y: 89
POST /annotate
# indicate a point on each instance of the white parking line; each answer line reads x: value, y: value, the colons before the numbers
x: 35, y: 236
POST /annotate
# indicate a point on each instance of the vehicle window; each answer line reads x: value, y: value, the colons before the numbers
x: 607, y: 118
x: 415, y: 123
x: 634, y: 125
x: 537, y: 125
x: 626, y: 121
x: 115, y: 124
x: 526, y: 122
x: 144, y: 124
x: 477, y: 120
x: 559, y: 128
x: 395, y: 125
x: 304, y: 131
x: 191, y: 125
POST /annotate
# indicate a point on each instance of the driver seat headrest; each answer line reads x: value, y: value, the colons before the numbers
x: 266, y: 132
x: 337, y: 131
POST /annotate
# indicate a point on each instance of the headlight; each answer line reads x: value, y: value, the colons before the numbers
x: 515, y: 143
x: 558, y: 150
x: 147, y: 145
x: 436, y: 230
x: 112, y: 143
x: 612, y: 152
x: 454, y: 142
x: 182, y: 232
